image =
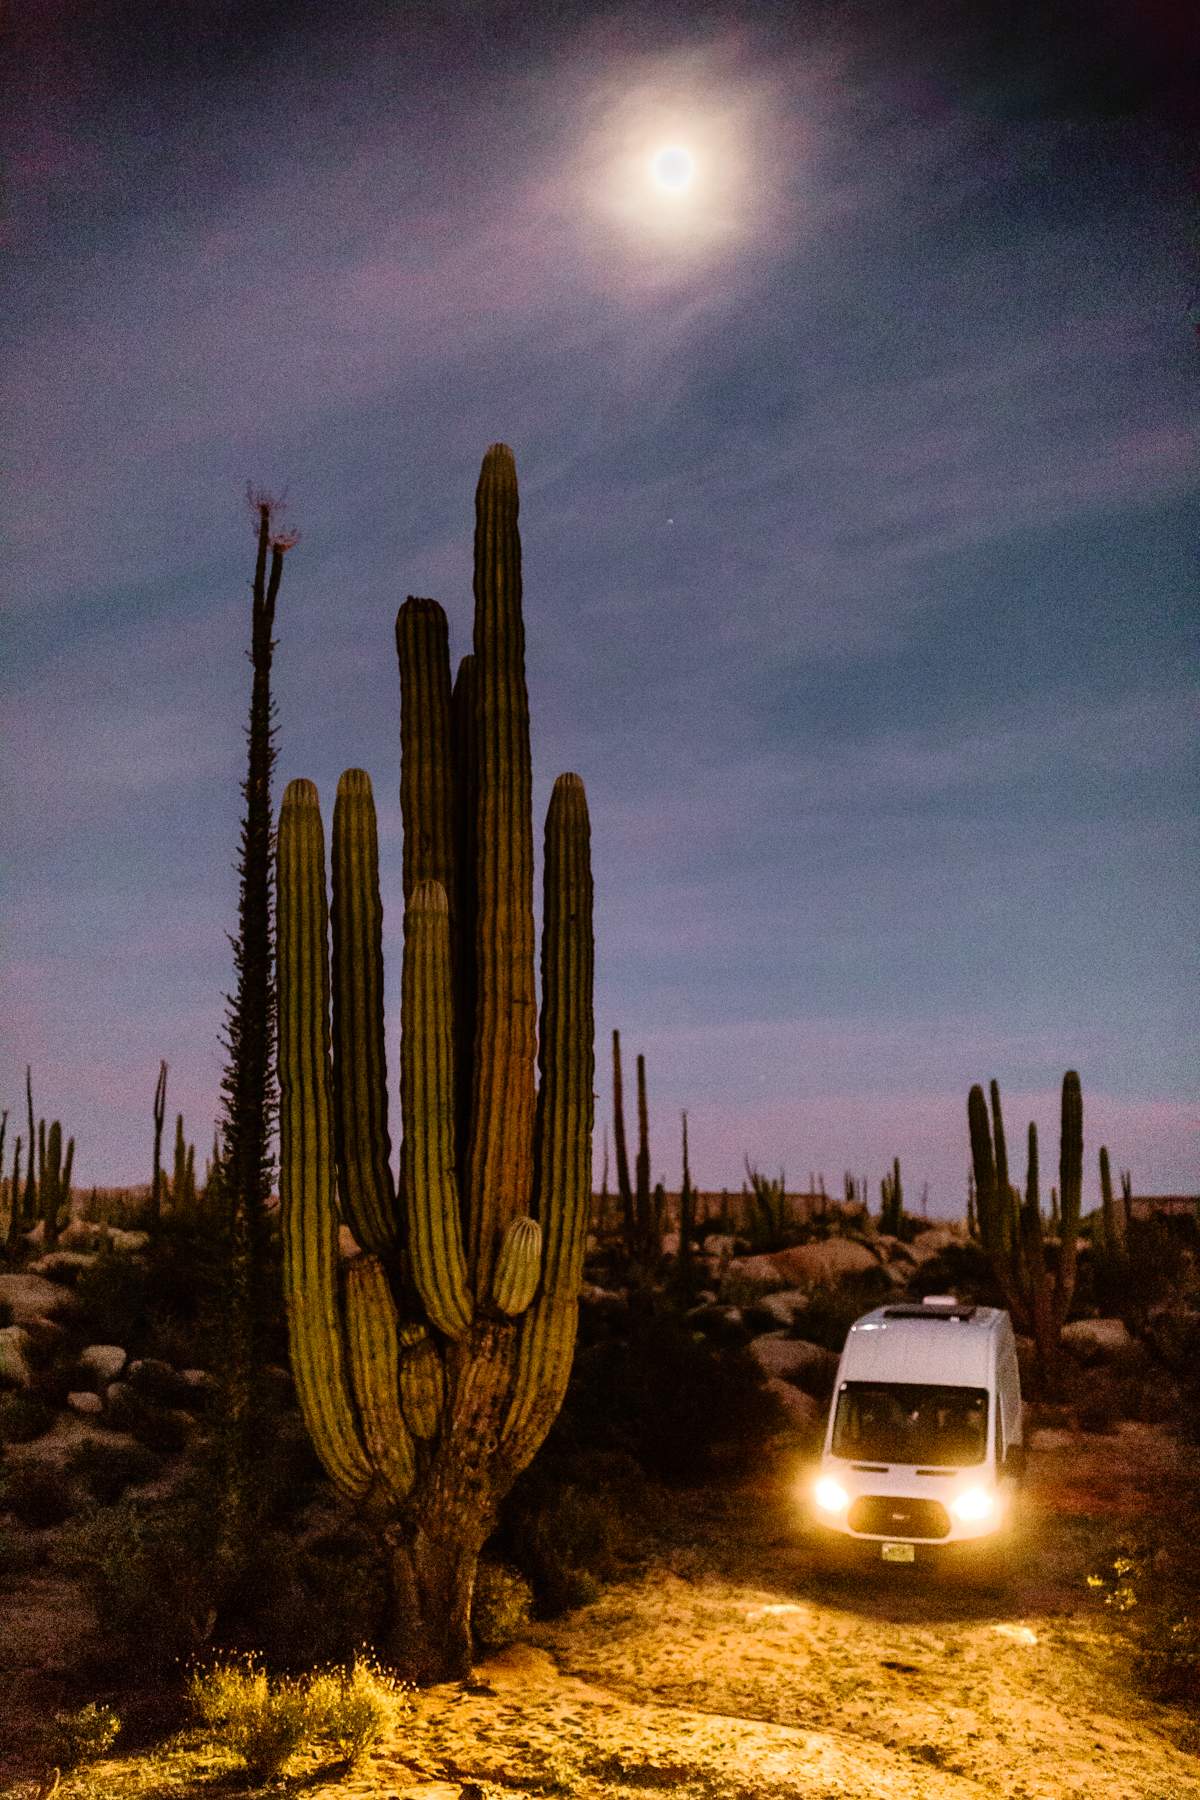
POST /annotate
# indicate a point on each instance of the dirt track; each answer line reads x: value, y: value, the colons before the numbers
x: 730, y: 1671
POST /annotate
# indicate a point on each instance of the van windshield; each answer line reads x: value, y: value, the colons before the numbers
x: 897, y: 1422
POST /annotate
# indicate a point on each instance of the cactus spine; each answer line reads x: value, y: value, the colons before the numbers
x: 1011, y: 1230
x: 430, y: 1366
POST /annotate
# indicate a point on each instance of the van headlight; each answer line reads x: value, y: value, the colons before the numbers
x: 972, y: 1504
x: 830, y: 1495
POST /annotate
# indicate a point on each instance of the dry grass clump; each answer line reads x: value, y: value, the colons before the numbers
x: 267, y: 1721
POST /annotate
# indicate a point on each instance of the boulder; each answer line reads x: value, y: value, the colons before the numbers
x: 806, y: 1265
x: 87, y: 1404
x: 63, y: 1266
x: 15, y: 1345
x: 103, y: 1361
x: 83, y: 1234
x: 724, y: 1323
x: 157, y: 1382
x: 894, y: 1248
x: 201, y: 1386
x: 928, y: 1244
x: 131, y: 1243
x: 772, y: 1312
x: 1094, y: 1340
x: 802, y: 1412
x: 28, y: 1296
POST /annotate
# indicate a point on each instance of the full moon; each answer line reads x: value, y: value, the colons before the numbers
x: 673, y: 170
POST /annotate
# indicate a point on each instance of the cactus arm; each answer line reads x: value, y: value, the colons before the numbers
x: 518, y: 1266
x: 566, y: 1057
x: 501, y: 1172
x: 422, y: 1382
x: 361, y: 1140
x: 306, y: 1167
x: 624, y: 1185
x: 1070, y: 1187
x: 462, y: 913
x: 427, y: 1101
x: 992, y: 1212
x: 1036, y: 1282
x: 30, y: 1204
x: 374, y: 1367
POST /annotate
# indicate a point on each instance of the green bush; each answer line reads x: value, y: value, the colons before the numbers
x: 38, y: 1496
x: 83, y: 1736
x: 24, y: 1417
x: 106, y: 1470
x: 501, y: 1605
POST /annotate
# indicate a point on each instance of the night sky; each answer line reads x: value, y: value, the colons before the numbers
x: 858, y: 516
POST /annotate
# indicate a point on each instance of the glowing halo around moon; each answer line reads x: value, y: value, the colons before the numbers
x: 673, y: 169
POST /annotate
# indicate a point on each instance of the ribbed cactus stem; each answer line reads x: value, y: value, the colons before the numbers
x: 306, y: 1165
x: 427, y: 1101
x: 1070, y: 1188
x: 462, y: 912
x: 362, y: 1144
x: 501, y: 1172
x: 426, y: 746
x: 566, y: 1059
x: 624, y: 1185
x: 518, y: 1266
x: 422, y: 1382
x: 371, y: 1331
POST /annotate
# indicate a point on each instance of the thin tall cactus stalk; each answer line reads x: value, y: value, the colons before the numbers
x: 1037, y: 1295
x: 430, y: 1365
x: 160, y: 1113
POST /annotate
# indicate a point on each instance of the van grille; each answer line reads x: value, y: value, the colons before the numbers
x: 893, y: 1515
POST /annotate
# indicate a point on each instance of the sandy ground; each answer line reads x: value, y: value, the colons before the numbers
x: 731, y: 1670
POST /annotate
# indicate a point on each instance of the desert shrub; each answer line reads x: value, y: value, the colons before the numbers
x: 83, y: 1736
x: 17, y: 1555
x: 24, y: 1417
x: 350, y: 1708
x: 37, y: 1495
x: 678, y: 1403
x: 1151, y: 1581
x: 116, y: 1297
x: 315, y: 1602
x: 963, y: 1269
x: 264, y: 1722
x: 572, y: 1521
x: 833, y: 1308
x: 501, y: 1605
x: 106, y: 1470
x: 149, y: 1575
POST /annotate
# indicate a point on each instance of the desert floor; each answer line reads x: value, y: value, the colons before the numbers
x: 730, y: 1669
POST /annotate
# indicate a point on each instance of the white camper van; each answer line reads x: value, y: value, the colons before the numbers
x: 924, y: 1448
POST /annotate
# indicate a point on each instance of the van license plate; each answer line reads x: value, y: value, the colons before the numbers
x: 898, y: 1553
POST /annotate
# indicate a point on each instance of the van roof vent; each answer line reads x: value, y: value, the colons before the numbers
x: 929, y: 1312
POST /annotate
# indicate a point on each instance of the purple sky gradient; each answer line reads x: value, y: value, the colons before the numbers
x: 858, y: 523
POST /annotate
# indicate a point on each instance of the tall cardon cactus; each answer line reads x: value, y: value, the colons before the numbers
x: 431, y: 1363
x: 1037, y: 1295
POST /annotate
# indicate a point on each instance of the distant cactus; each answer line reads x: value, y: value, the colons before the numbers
x: 891, y: 1212
x: 684, y: 1263
x: 54, y: 1179
x: 430, y: 1367
x: 183, y: 1178
x: 29, y: 1208
x: 770, y: 1214
x: 160, y: 1113
x: 1011, y: 1231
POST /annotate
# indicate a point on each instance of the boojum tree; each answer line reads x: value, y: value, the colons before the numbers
x: 430, y: 1364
